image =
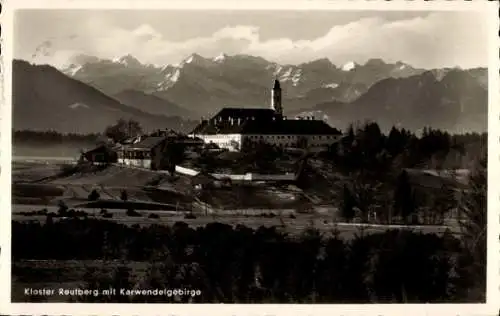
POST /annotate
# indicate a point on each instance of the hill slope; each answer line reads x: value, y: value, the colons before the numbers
x: 44, y: 98
x: 151, y: 104
x: 453, y: 100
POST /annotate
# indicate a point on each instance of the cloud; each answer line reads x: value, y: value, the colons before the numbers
x: 443, y: 39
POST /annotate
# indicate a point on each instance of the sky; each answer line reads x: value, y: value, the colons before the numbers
x: 422, y: 39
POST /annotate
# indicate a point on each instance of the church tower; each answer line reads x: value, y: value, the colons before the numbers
x: 276, y: 98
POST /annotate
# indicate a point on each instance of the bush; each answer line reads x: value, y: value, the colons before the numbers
x: 124, y: 196
x: 76, y: 213
x: 67, y: 170
x: 94, y: 195
x: 189, y: 216
x: 107, y: 215
x: 153, y: 215
x: 63, y: 208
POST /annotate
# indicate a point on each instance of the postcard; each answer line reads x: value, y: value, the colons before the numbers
x: 230, y: 158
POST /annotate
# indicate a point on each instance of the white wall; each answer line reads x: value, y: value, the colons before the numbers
x: 226, y: 140
x: 186, y: 171
x: 143, y: 163
x: 291, y: 140
x: 241, y: 177
x: 223, y: 140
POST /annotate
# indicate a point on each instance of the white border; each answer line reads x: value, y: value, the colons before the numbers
x: 493, y: 294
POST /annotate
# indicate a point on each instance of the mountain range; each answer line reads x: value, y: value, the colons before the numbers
x: 389, y: 93
x: 454, y: 101
x: 205, y: 85
x: 45, y: 99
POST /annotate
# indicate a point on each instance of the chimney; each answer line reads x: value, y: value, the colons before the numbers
x: 231, y: 120
x: 239, y: 120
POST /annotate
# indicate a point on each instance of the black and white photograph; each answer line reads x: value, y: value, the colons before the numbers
x: 251, y: 155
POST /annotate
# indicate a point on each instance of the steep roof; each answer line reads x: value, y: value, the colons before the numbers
x: 268, y: 127
x: 256, y: 113
x: 147, y: 144
x: 99, y: 149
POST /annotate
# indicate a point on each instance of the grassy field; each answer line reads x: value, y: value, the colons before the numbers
x: 36, y: 186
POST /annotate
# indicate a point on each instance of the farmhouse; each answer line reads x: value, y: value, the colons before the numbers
x: 149, y: 151
x: 235, y: 128
x: 101, y: 154
x: 145, y: 153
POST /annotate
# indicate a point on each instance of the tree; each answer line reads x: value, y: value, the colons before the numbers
x: 365, y: 193
x: 94, y: 195
x: 123, y: 129
x: 173, y: 154
x: 473, y: 222
x: 63, y: 208
x: 348, y: 204
x: 124, y: 195
x: 262, y: 156
x: 404, y: 196
x: 443, y: 201
x: 396, y: 142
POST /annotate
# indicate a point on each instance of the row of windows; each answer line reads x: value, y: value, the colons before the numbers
x: 292, y: 144
x: 289, y: 137
x: 225, y: 144
x: 136, y: 155
x: 220, y: 136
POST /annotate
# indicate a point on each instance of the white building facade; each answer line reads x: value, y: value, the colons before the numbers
x: 235, y: 128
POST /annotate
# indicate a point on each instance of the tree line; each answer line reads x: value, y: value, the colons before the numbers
x: 242, y: 265
x: 366, y: 147
x: 32, y: 136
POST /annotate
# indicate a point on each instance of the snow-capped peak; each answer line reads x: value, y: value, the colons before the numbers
x: 289, y: 73
x: 193, y: 58
x: 189, y: 59
x: 127, y: 60
x: 221, y: 57
x: 349, y: 66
